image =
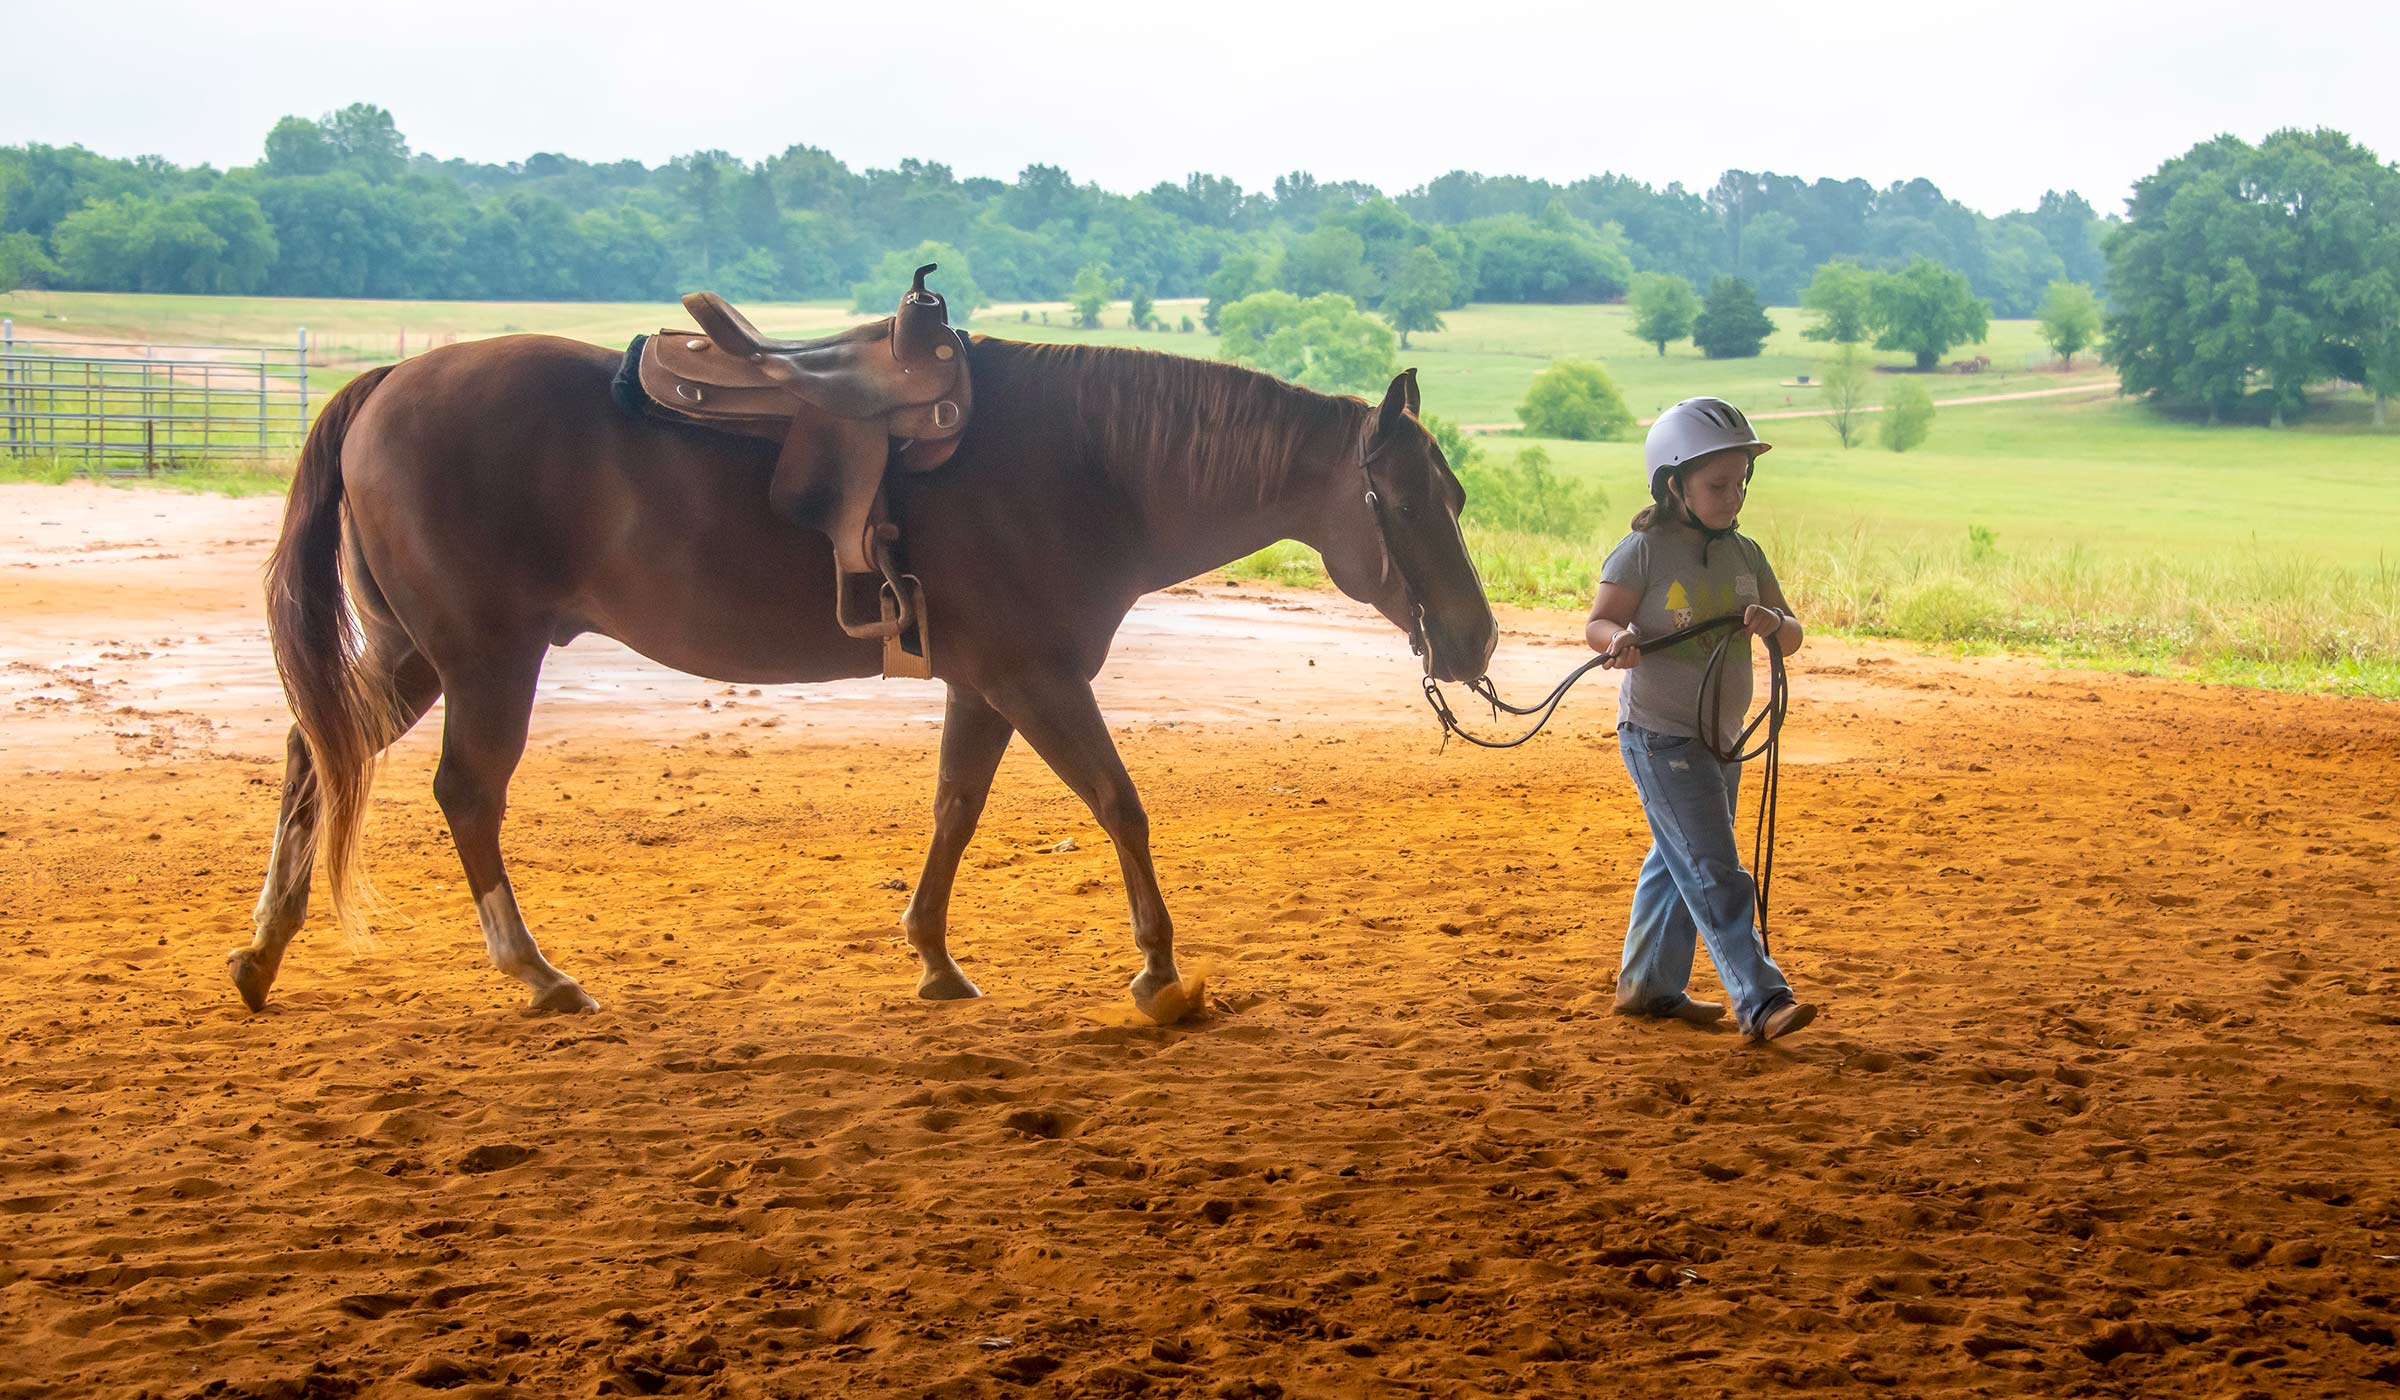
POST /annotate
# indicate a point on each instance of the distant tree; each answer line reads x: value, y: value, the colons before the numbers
x: 243, y: 248
x: 1841, y: 294
x: 1240, y: 273
x: 1773, y: 257
x: 25, y: 264
x: 1045, y: 194
x: 2070, y: 317
x: 1554, y: 258
x: 1907, y: 415
x: 1210, y: 200
x: 2244, y: 271
x: 2382, y: 366
x: 955, y: 281
x: 298, y: 146
x: 1091, y: 293
x: 1847, y: 380
x: 366, y: 140
x: 2017, y: 266
x: 1732, y: 326
x: 1421, y: 287
x: 1664, y: 307
x: 212, y: 242
x: 106, y: 243
x: 1142, y: 306
x: 338, y: 236
x: 1323, y: 342
x: 701, y: 181
x: 1925, y: 309
x: 1575, y: 399
x: 627, y: 252
x: 2068, y: 224
x: 1329, y: 259
x: 808, y: 255
x: 752, y: 275
x: 757, y: 214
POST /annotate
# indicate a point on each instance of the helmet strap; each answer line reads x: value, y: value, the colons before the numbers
x: 1672, y: 484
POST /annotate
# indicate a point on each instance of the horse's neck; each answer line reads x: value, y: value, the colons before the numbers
x: 1209, y: 493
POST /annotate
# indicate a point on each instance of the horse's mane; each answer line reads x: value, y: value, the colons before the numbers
x: 1169, y: 428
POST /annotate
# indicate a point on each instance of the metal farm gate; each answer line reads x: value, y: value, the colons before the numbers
x: 124, y: 406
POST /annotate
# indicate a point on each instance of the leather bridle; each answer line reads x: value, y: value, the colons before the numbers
x: 1395, y: 563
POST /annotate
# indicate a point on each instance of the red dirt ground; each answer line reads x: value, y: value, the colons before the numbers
x: 2102, y: 1101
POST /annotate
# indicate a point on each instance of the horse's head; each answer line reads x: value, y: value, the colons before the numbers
x: 1390, y: 539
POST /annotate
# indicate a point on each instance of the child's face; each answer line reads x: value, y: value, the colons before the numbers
x: 1717, y: 487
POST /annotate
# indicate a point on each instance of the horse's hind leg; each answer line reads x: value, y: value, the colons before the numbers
x: 483, y: 736
x: 390, y: 660
x: 973, y: 739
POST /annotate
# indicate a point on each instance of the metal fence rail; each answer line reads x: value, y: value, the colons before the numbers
x: 132, y: 406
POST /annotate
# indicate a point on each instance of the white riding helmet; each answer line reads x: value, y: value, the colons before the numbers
x: 1693, y: 429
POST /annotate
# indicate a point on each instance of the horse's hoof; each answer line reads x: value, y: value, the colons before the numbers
x: 251, y: 980
x: 1171, y: 1002
x: 950, y: 984
x: 565, y: 999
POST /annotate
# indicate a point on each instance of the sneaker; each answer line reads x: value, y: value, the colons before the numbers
x: 1780, y: 1022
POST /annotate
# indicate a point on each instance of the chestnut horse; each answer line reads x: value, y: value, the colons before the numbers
x: 457, y: 515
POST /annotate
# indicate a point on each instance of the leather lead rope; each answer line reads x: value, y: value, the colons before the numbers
x: 1771, y: 716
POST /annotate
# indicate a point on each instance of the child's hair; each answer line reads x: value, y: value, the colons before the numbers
x: 1666, y: 509
x: 1661, y: 510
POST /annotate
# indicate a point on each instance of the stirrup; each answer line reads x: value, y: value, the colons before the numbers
x: 860, y: 605
x: 908, y: 647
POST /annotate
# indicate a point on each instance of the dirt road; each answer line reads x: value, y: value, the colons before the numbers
x: 2102, y: 1102
x: 2091, y: 388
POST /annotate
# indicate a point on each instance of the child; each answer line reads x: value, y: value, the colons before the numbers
x: 1682, y: 564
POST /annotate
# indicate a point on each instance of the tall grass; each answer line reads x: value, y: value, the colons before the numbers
x: 2257, y: 617
x: 222, y: 474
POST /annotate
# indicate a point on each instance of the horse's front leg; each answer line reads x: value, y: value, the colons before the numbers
x: 1059, y: 717
x: 974, y: 737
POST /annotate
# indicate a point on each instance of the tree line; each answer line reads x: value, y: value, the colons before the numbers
x: 2239, y: 274
x: 340, y: 206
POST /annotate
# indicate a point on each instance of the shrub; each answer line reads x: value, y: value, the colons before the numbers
x: 1575, y: 399
x: 1907, y: 416
x: 1526, y: 497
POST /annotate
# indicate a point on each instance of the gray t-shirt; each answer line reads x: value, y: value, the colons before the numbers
x: 1662, y: 694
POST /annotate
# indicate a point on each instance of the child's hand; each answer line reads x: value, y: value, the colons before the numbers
x: 1762, y: 621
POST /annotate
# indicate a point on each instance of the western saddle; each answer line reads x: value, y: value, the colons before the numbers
x: 848, y: 408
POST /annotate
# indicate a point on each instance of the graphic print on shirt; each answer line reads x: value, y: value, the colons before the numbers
x: 1692, y: 602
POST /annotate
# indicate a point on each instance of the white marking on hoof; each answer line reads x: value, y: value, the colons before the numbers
x: 1172, y: 1002
x: 565, y: 999
x: 249, y: 978
x: 948, y: 984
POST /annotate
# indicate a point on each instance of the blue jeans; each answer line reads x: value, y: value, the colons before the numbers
x: 1692, y: 882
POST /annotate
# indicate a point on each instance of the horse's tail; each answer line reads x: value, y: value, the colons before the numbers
x: 343, y: 713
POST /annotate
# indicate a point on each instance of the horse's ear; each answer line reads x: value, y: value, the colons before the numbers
x: 1398, y: 400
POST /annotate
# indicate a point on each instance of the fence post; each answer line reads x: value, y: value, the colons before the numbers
x: 8, y: 376
x: 304, y: 382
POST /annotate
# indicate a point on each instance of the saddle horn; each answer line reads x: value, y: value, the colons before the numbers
x: 921, y: 330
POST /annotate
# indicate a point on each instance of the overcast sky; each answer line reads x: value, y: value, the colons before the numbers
x: 1993, y: 103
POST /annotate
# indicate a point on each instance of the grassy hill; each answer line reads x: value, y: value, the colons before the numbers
x: 2079, y: 525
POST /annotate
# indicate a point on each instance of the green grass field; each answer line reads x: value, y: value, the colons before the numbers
x: 2102, y: 532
